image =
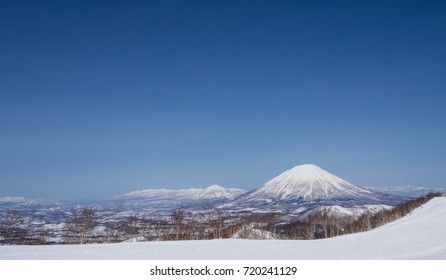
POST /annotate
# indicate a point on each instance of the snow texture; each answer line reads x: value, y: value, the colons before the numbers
x: 420, y: 235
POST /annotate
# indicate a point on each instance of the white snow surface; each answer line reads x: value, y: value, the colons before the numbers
x: 420, y: 235
x: 309, y: 182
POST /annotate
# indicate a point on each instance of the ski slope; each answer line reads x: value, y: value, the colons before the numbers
x: 420, y: 235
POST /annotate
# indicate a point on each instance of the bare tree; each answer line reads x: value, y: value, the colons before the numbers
x: 215, y: 220
x: 194, y: 227
x: 177, y: 221
x: 269, y: 222
x: 40, y: 237
x: 113, y: 229
x: 235, y: 223
x: 12, y: 229
x: 79, y: 227
x: 133, y: 222
x: 160, y: 228
x: 245, y: 228
x: 303, y: 230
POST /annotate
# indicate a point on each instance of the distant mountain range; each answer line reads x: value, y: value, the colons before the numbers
x: 408, y: 191
x: 164, y: 199
x: 301, y: 189
x: 214, y: 192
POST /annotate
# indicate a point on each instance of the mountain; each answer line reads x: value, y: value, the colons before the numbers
x: 348, y: 212
x: 310, y: 184
x: 165, y: 199
x: 409, y: 191
x: 212, y: 192
x: 23, y: 201
x: 33, y: 207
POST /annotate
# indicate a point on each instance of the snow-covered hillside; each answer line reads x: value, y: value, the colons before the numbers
x: 420, y: 235
x: 310, y: 183
x: 352, y: 212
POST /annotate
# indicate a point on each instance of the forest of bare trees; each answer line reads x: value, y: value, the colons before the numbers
x: 79, y: 227
x: 323, y: 225
x: 84, y: 226
x: 13, y: 231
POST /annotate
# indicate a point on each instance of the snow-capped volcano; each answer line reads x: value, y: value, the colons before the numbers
x: 308, y: 182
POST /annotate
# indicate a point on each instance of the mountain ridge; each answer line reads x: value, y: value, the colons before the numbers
x: 211, y: 192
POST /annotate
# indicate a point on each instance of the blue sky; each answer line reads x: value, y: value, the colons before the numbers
x: 98, y: 98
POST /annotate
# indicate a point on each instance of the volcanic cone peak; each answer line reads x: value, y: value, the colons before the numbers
x: 309, y: 182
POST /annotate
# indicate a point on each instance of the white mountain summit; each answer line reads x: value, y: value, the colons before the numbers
x: 309, y: 182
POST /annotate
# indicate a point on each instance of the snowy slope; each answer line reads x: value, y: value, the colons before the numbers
x: 354, y: 212
x: 419, y: 235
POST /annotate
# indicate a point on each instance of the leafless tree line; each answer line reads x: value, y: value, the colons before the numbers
x: 181, y: 224
x: 13, y: 231
x: 323, y: 225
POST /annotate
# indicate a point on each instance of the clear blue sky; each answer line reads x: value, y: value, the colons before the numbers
x: 98, y: 98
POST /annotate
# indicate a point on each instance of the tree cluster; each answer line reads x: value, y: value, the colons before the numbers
x: 13, y: 230
x: 79, y: 228
x: 321, y: 224
x: 367, y: 222
x: 181, y: 224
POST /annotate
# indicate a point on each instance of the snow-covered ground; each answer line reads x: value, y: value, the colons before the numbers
x: 420, y: 235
